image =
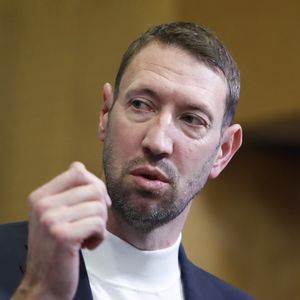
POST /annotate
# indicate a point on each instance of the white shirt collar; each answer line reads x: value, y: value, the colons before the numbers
x: 117, y: 262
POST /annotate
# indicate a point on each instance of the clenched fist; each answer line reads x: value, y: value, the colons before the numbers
x: 66, y: 214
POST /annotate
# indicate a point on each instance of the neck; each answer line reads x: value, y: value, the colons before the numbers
x: 158, y: 238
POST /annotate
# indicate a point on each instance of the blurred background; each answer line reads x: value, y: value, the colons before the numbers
x: 55, y: 57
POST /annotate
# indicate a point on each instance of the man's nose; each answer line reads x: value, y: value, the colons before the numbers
x: 159, y: 140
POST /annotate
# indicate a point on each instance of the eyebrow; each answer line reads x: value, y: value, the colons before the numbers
x: 186, y: 106
x: 199, y: 107
x: 145, y: 91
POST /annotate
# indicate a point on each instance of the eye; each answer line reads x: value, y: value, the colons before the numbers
x: 141, y: 105
x: 194, y: 120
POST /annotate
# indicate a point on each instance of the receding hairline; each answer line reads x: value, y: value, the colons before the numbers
x: 159, y: 42
x: 201, y: 43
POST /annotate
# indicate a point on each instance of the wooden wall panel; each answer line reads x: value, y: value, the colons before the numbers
x: 264, y: 38
x: 55, y: 57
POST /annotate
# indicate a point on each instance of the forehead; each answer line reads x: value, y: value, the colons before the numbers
x: 176, y: 72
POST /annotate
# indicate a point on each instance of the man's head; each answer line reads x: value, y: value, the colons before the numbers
x: 199, y: 42
x: 164, y: 132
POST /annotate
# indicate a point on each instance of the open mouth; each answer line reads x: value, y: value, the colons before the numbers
x: 149, y: 178
x: 150, y: 174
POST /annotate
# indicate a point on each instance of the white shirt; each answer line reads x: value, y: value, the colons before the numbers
x: 119, y: 271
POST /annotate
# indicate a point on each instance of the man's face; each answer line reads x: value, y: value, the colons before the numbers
x: 163, y: 134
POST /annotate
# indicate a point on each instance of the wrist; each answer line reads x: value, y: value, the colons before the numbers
x: 29, y: 291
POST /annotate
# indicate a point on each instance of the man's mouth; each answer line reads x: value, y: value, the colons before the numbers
x: 149, y: 178
x: 150, y: 173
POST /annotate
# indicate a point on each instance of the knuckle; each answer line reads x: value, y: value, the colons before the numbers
x: 47, y: 220
x: 98, y: 225
x: 97, y: 191
x: 100, y: 211
x: 33, y: 197
x: 77, y: 164
x: 102, y: 185
x: 79, y: 174
x: 41, y: 206
x: 59, y: 232
x: 101, y: 190
x: 93, y: 208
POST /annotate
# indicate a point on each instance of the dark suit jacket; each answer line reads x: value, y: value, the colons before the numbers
x: 197, y: 284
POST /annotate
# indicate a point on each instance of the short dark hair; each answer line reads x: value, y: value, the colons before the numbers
x: 201, y: 43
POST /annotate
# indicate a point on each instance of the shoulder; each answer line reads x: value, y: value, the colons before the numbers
x: 15, y: 229
x: 13, y: 237
x: 13, y: 252
x: 199, y: 284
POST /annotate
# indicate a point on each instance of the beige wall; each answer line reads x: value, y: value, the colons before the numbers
x: 264, y: 38
x: 55, y: 57
x: 245, y: 227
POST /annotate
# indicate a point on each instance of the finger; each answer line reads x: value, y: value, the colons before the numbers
x: 71, y: 197
x: 91, y: 242
x: 77, y: 175
x: 93, y: 179
x: 74, y: 176
x: 74, y: 213
x: 77, y: 232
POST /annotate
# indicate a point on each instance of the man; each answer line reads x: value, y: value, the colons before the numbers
x: 167, y: 127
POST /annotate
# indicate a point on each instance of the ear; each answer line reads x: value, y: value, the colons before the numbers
x: 103, y: 116
x: 231, y: 142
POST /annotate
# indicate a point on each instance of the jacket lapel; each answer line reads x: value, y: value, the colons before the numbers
x: 83, y: 289
x: 190, y: 283
x: 197, y: 284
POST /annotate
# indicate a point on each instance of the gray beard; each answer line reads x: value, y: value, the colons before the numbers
x: 167, y: 206
x: 142, y: 216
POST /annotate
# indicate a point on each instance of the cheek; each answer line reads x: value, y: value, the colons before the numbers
x: 192, y: 158
x: 125, y: 139
x: 190, y: 161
